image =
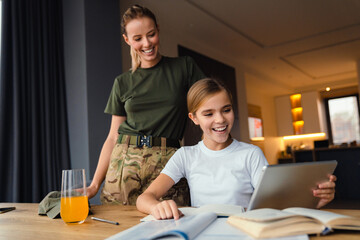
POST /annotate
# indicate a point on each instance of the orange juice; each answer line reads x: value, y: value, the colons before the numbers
x: 74, y: 209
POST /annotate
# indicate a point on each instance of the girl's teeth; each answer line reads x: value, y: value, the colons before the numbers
x: 220, y: 129
x: 148, y: 51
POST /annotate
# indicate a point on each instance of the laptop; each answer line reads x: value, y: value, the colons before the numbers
x: 290, y: 185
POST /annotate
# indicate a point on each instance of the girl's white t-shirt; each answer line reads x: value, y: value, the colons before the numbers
x: 228, y: 176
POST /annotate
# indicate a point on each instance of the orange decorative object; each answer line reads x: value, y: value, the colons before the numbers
x: 296, y: 112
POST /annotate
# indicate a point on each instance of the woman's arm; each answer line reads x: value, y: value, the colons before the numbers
x: 105, y: 154
x: 148, y: 202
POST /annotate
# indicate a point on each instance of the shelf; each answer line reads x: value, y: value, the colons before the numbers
x: 297, y: 114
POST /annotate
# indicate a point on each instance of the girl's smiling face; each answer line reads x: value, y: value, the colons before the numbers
x: 143, y: 36
x: 215, y: 117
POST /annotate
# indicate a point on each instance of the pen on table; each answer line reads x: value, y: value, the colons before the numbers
x: 104, y: 220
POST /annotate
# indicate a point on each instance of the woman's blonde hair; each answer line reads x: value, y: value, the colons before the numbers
x: 202, y: 90
x: 133, y: 12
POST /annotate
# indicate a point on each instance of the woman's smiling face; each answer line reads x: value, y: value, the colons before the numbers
x: 215, y: 117
x: 143, y: 36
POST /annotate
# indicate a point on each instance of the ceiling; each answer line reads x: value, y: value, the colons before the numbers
x: 283, y: 46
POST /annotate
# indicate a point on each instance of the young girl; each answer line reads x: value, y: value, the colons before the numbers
x: 219, y: 169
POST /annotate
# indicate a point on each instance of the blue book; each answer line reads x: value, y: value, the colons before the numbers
x: 184, y: 228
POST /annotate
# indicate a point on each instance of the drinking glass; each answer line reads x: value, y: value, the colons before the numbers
x: 74, y: 206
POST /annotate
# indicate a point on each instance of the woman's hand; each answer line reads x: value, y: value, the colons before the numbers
x: 165, y: 210
x: 325, y: 191
x: 91, y: 191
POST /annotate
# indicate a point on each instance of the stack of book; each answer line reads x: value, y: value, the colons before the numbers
x: 232, y: 222
x: 270, y: 223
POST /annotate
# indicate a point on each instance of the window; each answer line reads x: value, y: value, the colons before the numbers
x: 343, y: 119
x: 256, y: 132
x: 255, y: 127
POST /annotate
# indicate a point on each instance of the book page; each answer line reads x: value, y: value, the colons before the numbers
x: 323, y: 216
x: 264, y: 215
x: 219, y: 209
x: 187, y: 211
x: 185, y: 228
x: 220, y: 229
x: 193, y: 225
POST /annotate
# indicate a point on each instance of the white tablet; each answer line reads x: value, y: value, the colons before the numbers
x: 290, y: 185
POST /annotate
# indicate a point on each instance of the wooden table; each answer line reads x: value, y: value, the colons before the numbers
x: 25, y: 223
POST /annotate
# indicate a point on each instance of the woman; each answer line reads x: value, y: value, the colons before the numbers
x: 148, y: 107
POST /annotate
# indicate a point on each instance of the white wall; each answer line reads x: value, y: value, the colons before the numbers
x: 92, y: 61
x: 76, y: 83
x: 272, y: 144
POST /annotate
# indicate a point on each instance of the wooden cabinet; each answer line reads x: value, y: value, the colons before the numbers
x: 313, y: 114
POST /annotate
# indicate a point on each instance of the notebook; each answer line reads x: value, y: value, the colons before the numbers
x: 290, y: 185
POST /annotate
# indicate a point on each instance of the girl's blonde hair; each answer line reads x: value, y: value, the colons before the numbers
x: 202, y: 90
x: 133, y: 12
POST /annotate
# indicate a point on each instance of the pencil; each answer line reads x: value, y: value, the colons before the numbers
x: 104, y: 220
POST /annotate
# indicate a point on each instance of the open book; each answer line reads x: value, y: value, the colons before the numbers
x: 222, y: 210
x: 267, y: 222
x: 186, y: 227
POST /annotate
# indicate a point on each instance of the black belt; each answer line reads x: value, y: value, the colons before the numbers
x: 148, y: 141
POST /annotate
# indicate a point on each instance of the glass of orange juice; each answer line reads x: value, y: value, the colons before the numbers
x: 74, y: 206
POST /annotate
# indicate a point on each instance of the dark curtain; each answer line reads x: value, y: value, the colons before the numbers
x: 34, y: 144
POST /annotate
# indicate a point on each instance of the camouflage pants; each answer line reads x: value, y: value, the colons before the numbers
x: 132, y: 169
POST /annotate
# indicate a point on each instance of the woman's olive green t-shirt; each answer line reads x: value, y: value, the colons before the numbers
x: 154, y: 99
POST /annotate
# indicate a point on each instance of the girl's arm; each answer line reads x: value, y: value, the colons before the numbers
x: 105, y: 154
x: 148, y: 202
x: 325, y: 191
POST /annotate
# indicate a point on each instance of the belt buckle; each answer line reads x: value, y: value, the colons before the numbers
x: 144, y: 140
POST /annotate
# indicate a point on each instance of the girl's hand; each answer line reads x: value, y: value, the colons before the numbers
x: 165, y: 210
x: 325, y: 191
